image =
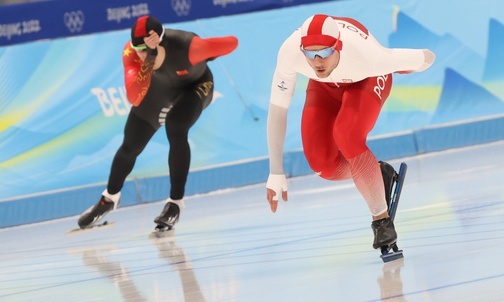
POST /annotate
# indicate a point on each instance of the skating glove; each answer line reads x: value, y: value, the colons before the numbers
x: 277, y: 183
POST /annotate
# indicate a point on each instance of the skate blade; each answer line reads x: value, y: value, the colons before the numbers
x: 397, y: 189
x: 163, y: 228
x: 391, y: 256
x: 102, y: 225
x: 162, y: 235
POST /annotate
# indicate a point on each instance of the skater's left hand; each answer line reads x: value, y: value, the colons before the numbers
x: 276, y: 183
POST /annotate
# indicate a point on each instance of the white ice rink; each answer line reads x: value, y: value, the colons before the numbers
x: 228, y: 246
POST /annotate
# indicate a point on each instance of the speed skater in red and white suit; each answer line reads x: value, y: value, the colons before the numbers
x: 350, y: 77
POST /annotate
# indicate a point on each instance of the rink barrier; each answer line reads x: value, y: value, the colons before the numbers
x: 71, y: 202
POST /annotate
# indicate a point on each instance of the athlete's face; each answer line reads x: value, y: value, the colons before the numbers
x: 323, y: 66
x: 151, y: 41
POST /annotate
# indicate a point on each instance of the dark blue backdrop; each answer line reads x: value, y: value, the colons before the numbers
x: 52, y: 19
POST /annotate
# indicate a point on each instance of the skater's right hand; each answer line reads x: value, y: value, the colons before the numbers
x: 276, y: 183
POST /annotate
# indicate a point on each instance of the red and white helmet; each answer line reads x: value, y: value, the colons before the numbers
x: 320, y: 30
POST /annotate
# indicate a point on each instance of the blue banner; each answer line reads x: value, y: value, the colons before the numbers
x: 53, y: 19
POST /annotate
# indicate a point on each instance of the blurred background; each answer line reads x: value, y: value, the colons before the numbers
x: 63, y: 104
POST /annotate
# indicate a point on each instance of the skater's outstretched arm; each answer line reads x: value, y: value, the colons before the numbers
x: 282, y: 90
x: 277, y: 182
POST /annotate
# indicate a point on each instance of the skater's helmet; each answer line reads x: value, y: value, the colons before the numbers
x: 141, y: 28
x: 320, y: 30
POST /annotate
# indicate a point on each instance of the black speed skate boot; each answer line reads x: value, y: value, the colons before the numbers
x: 92, y: 215
x: 389, y: 178
x: 168, y: 217
x: 383, y: 229
x: 384, y: 233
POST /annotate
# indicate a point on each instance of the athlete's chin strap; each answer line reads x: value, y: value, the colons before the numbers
x: 161, y: 36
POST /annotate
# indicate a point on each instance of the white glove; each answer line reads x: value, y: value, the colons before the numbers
x: 276, y: 186
x: 277, y: 183
x: 429, y: 58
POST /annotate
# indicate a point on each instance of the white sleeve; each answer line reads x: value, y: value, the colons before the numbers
x: 402, y: 59
x: 276, y: 129
x: 284, y: 78
x: 282, y: 90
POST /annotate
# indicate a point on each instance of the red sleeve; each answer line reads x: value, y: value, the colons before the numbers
x: 137, y: 75
x: 210, y: 48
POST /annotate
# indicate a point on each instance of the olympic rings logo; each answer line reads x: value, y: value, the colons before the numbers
x: 181, y: 7
x: 74, y: 21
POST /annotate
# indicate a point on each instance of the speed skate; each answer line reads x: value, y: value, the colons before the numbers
x: 91, y: 227
x: 392, y: 252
